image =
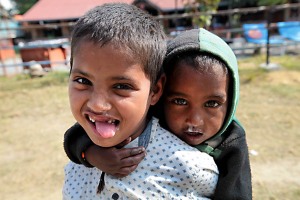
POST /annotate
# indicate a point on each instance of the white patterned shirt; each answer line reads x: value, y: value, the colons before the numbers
x: 171, y: 170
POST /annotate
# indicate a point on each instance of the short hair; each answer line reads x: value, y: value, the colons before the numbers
x: 128, y: 27
x: 202, y: 62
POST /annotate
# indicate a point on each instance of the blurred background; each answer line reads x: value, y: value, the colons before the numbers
x: 34, y: 65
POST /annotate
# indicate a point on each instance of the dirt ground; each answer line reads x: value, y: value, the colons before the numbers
x: 35, y: 115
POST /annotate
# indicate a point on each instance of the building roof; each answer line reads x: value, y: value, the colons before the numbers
x: 47, y: 10
x: 62, y: 9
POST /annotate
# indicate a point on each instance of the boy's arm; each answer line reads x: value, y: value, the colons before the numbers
x: 76, y: 141
x: 234, y: 167
x: 117, y: 162
x: 114, y: 161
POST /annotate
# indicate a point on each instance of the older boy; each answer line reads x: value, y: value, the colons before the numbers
x: 116, y: 54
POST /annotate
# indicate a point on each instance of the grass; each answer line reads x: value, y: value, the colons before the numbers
x: 269, y: 109
x: 35, y: 113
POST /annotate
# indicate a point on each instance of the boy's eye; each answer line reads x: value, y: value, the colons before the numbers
x: 179, y: 101
x: 212, y: 104
x: 123, y: 87
x: 83, y: 81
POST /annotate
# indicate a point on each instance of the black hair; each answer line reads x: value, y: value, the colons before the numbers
x: 201, y: 61
x: 131, y: 29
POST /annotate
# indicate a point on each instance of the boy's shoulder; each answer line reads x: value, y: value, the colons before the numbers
x: 233, y: 142
x: 233, y: 133
x: 164, y: 139
x: 162, y: 135
x: 232, y: 139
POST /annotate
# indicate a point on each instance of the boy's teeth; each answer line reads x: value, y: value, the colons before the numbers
x: 92, y: 120
x: 111, y: 121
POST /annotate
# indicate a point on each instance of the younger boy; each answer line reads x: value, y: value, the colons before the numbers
x: 199, y: 103
x: 115, y: 76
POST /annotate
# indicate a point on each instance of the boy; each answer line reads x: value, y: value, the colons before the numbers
x: 199, y: 104
x: 200, y: 101
x: 115, y: 76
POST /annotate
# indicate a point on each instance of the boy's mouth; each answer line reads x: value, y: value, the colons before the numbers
x: 104, y: 127
x: 194, y: 133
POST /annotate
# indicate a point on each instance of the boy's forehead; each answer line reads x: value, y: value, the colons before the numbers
x: 122, y: 49
x: 216, y: 68
x: 90, y: 54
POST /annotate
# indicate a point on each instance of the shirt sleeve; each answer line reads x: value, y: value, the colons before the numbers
x: 75, y: 142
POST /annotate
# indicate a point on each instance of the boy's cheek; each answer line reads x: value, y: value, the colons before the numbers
x: 75, y: 100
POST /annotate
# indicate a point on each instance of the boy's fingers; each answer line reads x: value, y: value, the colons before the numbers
x: 127, y: 170
x: 137, y: 150
x: 128, y: 152
x: 133, y: 160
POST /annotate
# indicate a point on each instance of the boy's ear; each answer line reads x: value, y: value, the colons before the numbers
x: 158, y: 89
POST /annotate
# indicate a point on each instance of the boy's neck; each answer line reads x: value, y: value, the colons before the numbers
x: 135, y: 135
x: 141, y: 129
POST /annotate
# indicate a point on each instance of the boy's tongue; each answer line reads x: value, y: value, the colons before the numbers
x: 105, y: 130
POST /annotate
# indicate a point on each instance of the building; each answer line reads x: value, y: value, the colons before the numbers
x: 54, y: 18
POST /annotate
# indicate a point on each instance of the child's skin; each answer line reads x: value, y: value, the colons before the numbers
x: 195, y: 101
x: 109, y: 92
x: 194, y: 109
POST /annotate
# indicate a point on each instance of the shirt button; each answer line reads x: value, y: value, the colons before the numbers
x: 115, y: 196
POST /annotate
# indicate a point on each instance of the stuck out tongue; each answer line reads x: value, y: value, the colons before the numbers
x: 105, y: 130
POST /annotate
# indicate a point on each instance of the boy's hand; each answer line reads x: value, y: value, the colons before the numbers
x: 113, y: 161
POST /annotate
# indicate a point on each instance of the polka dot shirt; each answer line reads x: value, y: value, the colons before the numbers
x: 171, y: 170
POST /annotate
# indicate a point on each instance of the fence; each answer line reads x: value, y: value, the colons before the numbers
x: 16, y: 56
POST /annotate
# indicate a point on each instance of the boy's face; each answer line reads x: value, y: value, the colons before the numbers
x: 195, y: 103
x: 109, y: 93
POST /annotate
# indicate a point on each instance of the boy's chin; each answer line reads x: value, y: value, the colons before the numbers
x: 105, y: 143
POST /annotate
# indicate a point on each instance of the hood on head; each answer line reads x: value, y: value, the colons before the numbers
x: 204, y: 41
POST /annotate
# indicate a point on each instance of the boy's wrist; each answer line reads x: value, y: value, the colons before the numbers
x: 85, y: 144
x: 84, y: 161
x: 76, y: 142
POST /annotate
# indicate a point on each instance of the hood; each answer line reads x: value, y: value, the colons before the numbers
x: 204, y: 41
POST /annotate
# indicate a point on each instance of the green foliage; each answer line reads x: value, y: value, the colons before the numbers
x: 271, y: 2
x: 201, y: 6
x: 24, y: 5
x: 197, y: 7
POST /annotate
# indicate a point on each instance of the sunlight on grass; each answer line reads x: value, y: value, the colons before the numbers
x: 23, y: 81
x: 35, y: 114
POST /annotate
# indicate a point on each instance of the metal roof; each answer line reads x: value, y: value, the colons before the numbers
x: 50, y: 10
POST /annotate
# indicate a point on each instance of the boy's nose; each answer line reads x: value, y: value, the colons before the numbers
x: 99, y: 102
x: 195, y: 118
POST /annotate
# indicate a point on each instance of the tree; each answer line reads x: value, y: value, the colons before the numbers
x: 201, y: 6
x: 3, y: 12
x: 24, y: 5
